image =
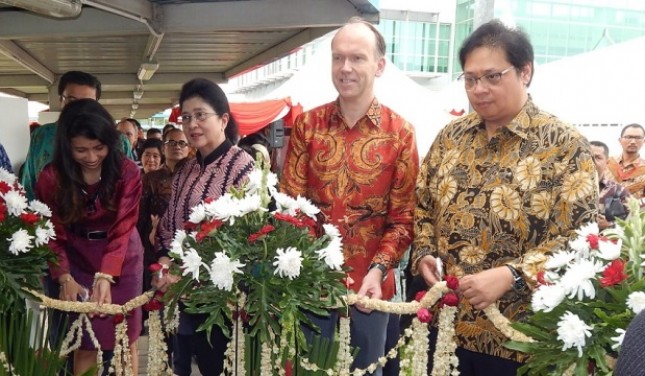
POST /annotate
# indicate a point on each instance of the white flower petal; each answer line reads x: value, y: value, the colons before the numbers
x: 573, y: 332
x: 636, y: 301
x: 288, y: 262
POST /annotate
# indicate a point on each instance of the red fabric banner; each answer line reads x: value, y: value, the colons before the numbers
x: 253, y: 116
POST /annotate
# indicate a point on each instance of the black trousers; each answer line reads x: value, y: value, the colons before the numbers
x: 209, y: 356
x: 476, y: 364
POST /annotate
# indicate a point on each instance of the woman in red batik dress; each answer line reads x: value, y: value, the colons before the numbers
x: 94, y: 192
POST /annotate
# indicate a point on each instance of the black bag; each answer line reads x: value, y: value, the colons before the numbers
x: 614, y: 207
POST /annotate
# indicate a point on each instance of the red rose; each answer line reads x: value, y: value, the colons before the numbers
x: 189, y: 226
x: 29, y: 218
x: 118, y: 318
x: 613, y: 274
x: 593, y: 240
x: 3, y: 211
x: 208, y: 200
x: 424, y: 315
x: 253, y: 237
x: 540, y: 278
x: 452, y: 282
x: 418, y: 296
x: 450, y: 299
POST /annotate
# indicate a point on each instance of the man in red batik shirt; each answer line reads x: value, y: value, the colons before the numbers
x: 357, y: 161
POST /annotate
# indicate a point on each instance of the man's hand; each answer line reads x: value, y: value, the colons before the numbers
x: 162, y: 281
x: 371, y: 288
x: 427, y: 267
x: 486, y: 287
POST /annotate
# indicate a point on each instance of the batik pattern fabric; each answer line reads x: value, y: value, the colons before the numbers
x: 41, y: 152
x: 362, y: 178
x: 509, y: 200
x: 198, y: 179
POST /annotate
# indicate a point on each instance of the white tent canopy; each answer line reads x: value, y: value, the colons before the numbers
x: 312, y: 86
x: 598, y: 91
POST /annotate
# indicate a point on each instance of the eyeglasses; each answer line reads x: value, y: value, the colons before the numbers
x: 173, y: 143
x: 634, y: 138
x: 199, y: 116
x: 488, y: 79
x: 67, y: 100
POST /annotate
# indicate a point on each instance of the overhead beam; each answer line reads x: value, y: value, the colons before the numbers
x: 257, y: 15
x: 140, y: 8
x: 91, y: 22
x: 283, y: 48
x: 16, y: 53
x: 23, y: 81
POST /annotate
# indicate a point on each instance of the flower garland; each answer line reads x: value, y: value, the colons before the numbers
x: 76, y: 334
x: 157, y: 365
x: 122, y: 360
x: 344, y: 359
x: 445, y: 361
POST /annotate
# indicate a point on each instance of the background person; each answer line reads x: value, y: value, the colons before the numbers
x: 612, y: 197
x: 357, y: 161
x: 72, y: 85
x: 94, y: 192
x: 4, y: 160
x: 130, y: 129
x: 154, y: 133
x: 499, y: 188
x: 218, y: 166
x: 152, y: 157
x: 628, y: 169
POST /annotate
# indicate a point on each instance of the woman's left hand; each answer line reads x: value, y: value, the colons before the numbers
x: 102, y: 293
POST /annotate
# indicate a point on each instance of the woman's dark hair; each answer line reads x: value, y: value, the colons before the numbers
x: 494, y: 34
x: 212, y: 94
x: 85, y: 118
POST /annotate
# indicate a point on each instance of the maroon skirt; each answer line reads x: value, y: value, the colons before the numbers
x: 85, y: 257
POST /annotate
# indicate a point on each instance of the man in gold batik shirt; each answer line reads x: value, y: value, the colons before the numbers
x: 499, y: 189
x: 629, y: 168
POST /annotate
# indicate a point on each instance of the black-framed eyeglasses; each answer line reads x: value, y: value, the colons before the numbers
x: 173, y: 143
x: 634, y: 138
x: 487, y: 79
x: 199, y: 116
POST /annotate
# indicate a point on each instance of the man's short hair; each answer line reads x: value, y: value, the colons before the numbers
x: 602, y: 145
x: 632, y: 125
x: 79, y: 78
x: 152, y: 131
x: 494, y: 34
x: 380, y: 41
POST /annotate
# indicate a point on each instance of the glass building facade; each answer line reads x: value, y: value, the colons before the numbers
x: 557, y: 28
x: 417, y: 46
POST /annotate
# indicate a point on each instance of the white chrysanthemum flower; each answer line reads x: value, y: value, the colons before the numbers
x: 249, y: 204
x: 331, y: 230
x: 307, y: 207
x: 577, y: 280
x: 191, y: 263
x: 636, y: 301
x: 285, y: 204
x: 333, y: 254
x: 45, y: 233
x: 608, y: 250
x: 20, y: 242
x: 40, y: 208
x: 288, y: 262
x: 573, y: 332
x: 176, y: 246
x: 559, y: 259
x: 255, y: 181
x: 7, y: 177
x: 226, y: 209
x: 581, y: 246
x: 590, y: 228
x: 254, y: 184
x: 197, y: 214
x: 547, y: 297
x: 16, y: 203
x: 222, y: 269
x: 618, y: 340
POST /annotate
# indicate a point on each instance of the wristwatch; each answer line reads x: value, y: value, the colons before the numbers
x: 380, y: 267
x: 518, y: 280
